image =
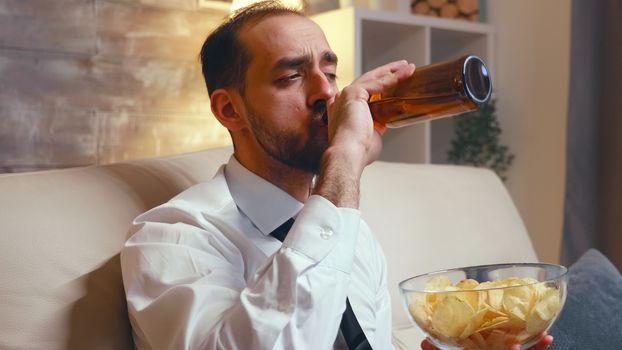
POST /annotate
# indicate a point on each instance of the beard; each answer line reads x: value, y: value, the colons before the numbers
x: 299, y: 151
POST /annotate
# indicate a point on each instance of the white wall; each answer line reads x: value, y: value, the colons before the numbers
x: 531, y: 83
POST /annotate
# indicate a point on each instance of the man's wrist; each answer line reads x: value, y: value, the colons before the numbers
x: 339, y: 177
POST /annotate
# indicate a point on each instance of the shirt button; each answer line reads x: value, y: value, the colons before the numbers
x: 326, y: 232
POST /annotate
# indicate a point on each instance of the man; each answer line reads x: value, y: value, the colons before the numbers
x: 272, y: 252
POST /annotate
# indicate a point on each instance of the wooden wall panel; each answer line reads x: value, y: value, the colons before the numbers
x: 50, y: 81
x: 172, y: 4
x: 126, y: 136
x: 97, y: 81
x: 32, y: 138
x: 151, y: 32
x: 147, y: 85
x: 49, y: 25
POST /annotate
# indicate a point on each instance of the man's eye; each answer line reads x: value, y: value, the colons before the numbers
x: 288, y: 78
x: 331, y: 76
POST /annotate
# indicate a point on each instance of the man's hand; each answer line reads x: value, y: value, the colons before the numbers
x: 544, y: 343
x: 353, y: 143
x: 350, y: 125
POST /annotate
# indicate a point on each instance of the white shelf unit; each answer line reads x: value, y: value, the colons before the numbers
x: 364, y: 39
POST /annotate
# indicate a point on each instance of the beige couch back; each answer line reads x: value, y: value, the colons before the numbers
x: 61, y: 231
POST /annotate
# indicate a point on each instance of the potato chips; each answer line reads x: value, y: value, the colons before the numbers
x: 475, y: 316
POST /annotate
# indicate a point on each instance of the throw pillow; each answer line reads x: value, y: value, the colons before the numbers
x: 592, y: 315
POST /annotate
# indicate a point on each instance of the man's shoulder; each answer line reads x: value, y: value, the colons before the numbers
x: 209, y: 197
x: 211, y: 194
x: 203, y: 210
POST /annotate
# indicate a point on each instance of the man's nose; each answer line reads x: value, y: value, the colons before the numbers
x: 320, y: 88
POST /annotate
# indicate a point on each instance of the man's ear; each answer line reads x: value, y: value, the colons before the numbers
x: 226, y: 105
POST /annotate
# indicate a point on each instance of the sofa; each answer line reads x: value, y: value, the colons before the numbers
x: 61, y: 232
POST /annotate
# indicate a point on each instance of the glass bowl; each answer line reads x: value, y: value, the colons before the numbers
x: 486, y: 307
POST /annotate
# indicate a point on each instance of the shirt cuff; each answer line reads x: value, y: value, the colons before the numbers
x: 325, y: 233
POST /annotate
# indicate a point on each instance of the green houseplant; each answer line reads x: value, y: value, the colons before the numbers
x: 476, y: 141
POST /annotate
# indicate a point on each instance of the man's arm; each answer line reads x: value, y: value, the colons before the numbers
x: 353, y: 141
x: 187, y: 286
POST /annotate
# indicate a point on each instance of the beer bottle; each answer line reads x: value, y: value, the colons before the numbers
x: 439, y: 90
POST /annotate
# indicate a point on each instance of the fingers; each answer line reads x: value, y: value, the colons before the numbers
x: 427, y: 345
x: 385, y: 77
x: 400, y: 68
x: 544, y: 343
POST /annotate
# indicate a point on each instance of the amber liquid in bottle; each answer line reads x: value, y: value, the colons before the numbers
x: 439, y: 90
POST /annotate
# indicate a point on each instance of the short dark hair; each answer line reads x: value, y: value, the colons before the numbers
x: 224, y: 58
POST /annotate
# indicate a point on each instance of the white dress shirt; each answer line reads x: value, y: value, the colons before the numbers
x: 202, y: 271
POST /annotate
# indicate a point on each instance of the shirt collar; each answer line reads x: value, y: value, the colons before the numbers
x: 266, y: 205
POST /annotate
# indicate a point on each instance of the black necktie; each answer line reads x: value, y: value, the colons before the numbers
x: 350, y: 327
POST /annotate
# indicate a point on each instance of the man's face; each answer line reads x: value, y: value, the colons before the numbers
x: 289, y: 81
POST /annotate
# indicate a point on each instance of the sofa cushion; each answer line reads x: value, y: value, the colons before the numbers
x: 592, y: 315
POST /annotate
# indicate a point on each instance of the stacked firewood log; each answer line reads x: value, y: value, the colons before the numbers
x: 458, y: 9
